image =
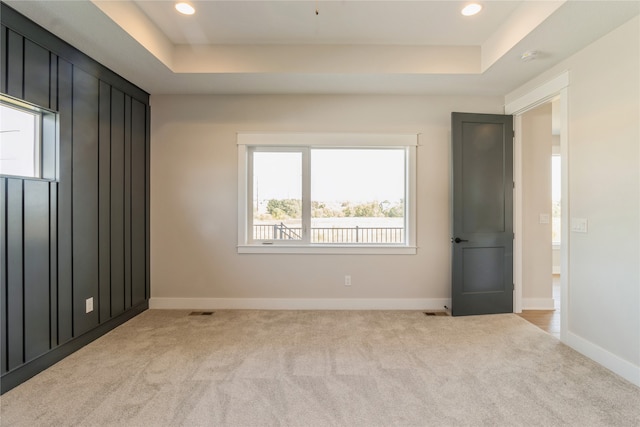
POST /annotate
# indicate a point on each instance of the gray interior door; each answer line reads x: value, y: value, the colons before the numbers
x: 482, y: 239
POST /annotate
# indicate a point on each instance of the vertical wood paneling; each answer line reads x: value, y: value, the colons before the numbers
x: 3, y: 275
x: 3, y: 59
x: 15, y: 272
x: 104, y: 202
x: 117, y: 202
x: 53, y: 263
x: 85, y: 198
x: 127, y: 202
x: 53, y: 81
x: 15, y: 69
x: 36, y: 74
x: 36, y: 273
x: 65, y: 197
x: 138, y: 160
x: 148, y: 205
x: 85, y: 234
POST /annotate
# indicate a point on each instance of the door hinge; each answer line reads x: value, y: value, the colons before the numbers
x: 514, y: 286
x: 514, y: 236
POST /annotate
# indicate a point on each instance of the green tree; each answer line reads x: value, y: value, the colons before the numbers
x: 368, y: 210
x: 285, y: 208
x: 396, y: 211
x: 363, y: 210
x: 321, y: 210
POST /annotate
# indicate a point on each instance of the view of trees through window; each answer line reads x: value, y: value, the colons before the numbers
x: 277, y: 195
x: 356, y: 196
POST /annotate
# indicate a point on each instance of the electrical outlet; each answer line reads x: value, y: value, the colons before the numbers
x: 347, y: 280
x: 89, y: 305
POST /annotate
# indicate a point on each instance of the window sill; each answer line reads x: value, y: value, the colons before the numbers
x: 28, y: 178
x: 327, y: 250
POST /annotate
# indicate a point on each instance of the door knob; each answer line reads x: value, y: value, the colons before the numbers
x: 458, y: 240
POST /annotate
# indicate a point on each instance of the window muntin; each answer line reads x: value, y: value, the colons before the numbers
x: 375, y: 204
x: 20, y: 143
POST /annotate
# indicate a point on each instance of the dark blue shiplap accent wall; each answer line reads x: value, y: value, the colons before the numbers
x: 84, y: 232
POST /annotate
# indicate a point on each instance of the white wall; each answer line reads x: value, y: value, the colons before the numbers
x: 555, y: 253
x: 536, y: 200
x: 604, y: 188
x: 555, y: 148
x: 194, y: 262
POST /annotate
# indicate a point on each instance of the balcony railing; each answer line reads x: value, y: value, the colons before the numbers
x: 382, y: 235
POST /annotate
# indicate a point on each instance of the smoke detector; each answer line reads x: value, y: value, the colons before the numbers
x: 529, y: 55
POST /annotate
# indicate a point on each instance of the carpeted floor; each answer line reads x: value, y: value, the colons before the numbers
x: 324, y: 368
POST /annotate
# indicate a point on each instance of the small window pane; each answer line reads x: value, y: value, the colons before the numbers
x: 277, y: 196
x: 357, y: 196
x: 19, y: 141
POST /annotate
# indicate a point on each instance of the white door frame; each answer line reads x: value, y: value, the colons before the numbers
x: 555, y: 88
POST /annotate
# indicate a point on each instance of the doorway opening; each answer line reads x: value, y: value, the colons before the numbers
x: 554, y: 95
x: 542, y: 213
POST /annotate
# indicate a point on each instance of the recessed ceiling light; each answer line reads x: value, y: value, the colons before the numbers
x: 185, y: 8
x: 471, y: 9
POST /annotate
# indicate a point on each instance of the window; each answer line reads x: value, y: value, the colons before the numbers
x: 276, y: 196
x: 326, y: 193
x: 19, y: 141
x: 27, y: 140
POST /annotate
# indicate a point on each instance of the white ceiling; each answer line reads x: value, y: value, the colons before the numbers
x: 337, y: 22
x: 350, y: 46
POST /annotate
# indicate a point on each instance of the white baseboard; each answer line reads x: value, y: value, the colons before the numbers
x: 537, y: 304
x: 300, y: 303
x: 624, y: 368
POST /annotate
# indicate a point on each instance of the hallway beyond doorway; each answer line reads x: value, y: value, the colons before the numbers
x: 547, y: 320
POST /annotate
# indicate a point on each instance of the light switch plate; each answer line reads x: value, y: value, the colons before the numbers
x: 579, y: 225
x: 89, y: 305
x: 544, y: 218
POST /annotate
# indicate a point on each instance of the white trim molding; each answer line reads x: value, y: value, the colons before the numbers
x: 537, y: 304
x: 538, y: 96
x: 248, y: 142
x: 622, y: 367
x: 299, y: 303
x: 328, y: 249
x: 557, y: 87
x: 322, y: 139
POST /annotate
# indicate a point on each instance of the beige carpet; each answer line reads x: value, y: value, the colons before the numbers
x: 324, y: 368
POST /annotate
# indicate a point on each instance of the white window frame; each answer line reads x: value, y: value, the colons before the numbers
x: 304, y: 142
x: 46, y: 140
